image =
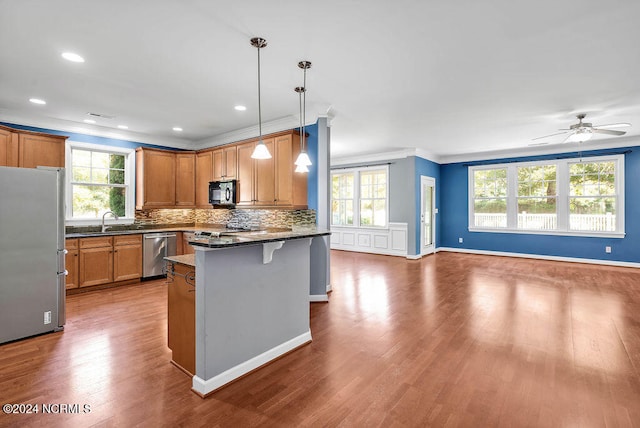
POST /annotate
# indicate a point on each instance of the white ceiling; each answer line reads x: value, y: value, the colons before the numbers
x: 452, y: 79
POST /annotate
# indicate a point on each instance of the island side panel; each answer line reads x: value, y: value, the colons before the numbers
x: 244, y: 307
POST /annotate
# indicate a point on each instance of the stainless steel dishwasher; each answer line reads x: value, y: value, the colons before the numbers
x: 156, y: 247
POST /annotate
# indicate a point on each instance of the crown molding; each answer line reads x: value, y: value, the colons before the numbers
x: 98, y: 131
x: 543, y: 150
x: 384, y: 156
x: 282, y: 124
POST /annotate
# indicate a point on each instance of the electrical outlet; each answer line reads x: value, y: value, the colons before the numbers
x: 460, y: 240
x: 607, y: 249
x: 47, y: 317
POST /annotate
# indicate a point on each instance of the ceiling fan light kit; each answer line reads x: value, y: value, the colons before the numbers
x: 583, y: 131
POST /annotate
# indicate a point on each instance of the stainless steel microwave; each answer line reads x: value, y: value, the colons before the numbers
x: 222, y: 193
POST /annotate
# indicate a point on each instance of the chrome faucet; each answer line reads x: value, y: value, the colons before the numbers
x: 104, y: 228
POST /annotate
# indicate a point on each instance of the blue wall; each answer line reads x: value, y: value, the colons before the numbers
x: 429, y: 169
x: 312, y: 151
x: 454, y: 214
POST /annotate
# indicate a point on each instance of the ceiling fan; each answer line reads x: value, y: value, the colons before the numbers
x: 582, y: 131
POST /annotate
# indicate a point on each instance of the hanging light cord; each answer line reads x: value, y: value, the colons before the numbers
x: 259, y: 104
x: 304, y: 110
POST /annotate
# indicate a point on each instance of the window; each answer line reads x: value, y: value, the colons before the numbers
x: 359, y: 197
x: 568, y: 197
x: 99, y: 179
x: 342, y: 195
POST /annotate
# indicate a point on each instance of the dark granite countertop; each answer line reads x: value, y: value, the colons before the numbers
x: 239, y: 239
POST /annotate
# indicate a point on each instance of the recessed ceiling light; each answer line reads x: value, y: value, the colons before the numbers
x: 123, y: 127
x: 240, y: 108
x: 89, y: 121
x: 177, y: 128
x: 70, y: 56
x: 37, y: 101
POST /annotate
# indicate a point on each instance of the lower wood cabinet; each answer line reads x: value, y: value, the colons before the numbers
x: 71, y: 263
x: 181, y: 317
x: 127, y: 257
x: 107, y: 259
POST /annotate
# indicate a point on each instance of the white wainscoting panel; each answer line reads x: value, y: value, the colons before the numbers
x: 391, y: 241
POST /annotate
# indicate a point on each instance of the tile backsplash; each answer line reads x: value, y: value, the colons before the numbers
x: 253, y: 218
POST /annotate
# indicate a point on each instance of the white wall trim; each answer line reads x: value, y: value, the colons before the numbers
x: 379, y: 157
x: 329, y: 288
x: 318, y: 298
x: 204, y: 387
x: 416, y: 256
x: 391, y: 241
x: 617, y: 143
x: 541, y: 257
x: 277, y: 125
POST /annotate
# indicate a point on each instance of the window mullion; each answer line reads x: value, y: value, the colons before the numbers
x: 563, y: 193
x: 512, y: 197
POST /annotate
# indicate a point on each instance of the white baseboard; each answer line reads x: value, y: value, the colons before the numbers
x: 414, y: 257
x: 329, y: 288
x: 541, y: 257
x: 318, y: 298
x: 204, y: 387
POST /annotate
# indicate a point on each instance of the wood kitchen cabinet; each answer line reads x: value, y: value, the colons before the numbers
x: 71, y: 263
x: 225, y: 163
x: 271, y: 182
x: 181, y: 317
x: 290, y: 186
x: 186, y: 179
x: 127, y: 257
x: 8, y: 148
x: 96, y: 261
x: 204, y: 174
x: 27, y: 149
x: 155, y: 178
x: 256, y: 177
x: 107, y: 259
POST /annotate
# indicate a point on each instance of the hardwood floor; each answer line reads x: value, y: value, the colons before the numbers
x: 448, y: 340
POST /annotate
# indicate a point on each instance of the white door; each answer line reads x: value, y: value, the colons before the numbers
x: 427, y: 215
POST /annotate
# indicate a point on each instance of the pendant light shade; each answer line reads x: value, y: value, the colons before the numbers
x: 302, y: 168
x: 260, y: 151
x: 303, y: 160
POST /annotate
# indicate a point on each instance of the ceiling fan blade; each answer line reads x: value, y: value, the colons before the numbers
x: 613, y: 125
x: 550, y: 135
x: 608, y: 131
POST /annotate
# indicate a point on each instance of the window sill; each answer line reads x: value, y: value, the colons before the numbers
x: 618, y: 235
x: 109, y: 221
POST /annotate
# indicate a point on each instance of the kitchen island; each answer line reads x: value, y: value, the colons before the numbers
x: 251, y: 302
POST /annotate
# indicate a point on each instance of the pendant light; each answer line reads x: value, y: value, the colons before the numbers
x: 300, y: 166
x: 303, y: 161
x: 261, y: 151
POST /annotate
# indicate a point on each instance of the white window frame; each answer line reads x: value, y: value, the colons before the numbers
x: 129, y: 181
x: 356, y: 196
x: 562, y: 195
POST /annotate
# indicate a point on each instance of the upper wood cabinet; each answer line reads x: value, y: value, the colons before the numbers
x: 28, y: 149
x: 264, y: 185
x: 245, y: 174
x: 155, y: 178
x: 271, y: 182
x: 186, y: 179
x: 256, y: 177
x: 7, y: 157
x: 290, y: 186
x: 204, y: 174
x: 225, y: 162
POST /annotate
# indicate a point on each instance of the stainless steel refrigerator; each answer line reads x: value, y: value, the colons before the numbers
x: 32, y: 274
